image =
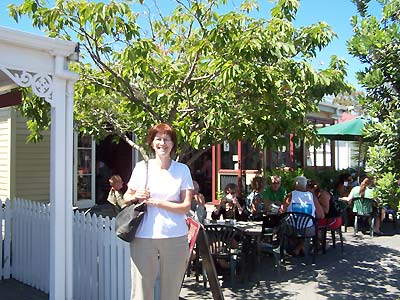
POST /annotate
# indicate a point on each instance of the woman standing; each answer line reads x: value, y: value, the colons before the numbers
x: 161, y: 242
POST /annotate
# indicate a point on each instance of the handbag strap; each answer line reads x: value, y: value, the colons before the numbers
x: 147, y: 173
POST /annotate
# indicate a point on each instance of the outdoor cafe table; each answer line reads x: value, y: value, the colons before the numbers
x: 252, y: 231
x: 255, y: 231
x: 249, y: 228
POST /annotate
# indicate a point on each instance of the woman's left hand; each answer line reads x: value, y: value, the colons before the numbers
x: 152, y: 202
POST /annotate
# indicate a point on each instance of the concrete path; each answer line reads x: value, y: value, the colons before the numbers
x: 368, y: 269
x: 11, y: 289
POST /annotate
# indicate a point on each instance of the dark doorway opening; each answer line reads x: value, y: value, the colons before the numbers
x: 112, y: 157
x: 203, y: 174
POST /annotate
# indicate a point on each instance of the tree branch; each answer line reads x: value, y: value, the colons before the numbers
x: 95, y: 55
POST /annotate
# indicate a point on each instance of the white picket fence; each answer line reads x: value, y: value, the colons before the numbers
x: 101, y: 261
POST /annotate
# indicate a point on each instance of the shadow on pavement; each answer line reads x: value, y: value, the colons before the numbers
x: 369, y: 268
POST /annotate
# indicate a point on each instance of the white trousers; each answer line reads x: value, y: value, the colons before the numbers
x: 151, y: 256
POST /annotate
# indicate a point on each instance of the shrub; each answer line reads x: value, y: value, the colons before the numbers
x: 387, y: 191
x: 287, y: 176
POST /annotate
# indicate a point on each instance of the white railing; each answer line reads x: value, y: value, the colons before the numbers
x: 2, y: 232
x: 29, y: 240
x: 101, y: 261
x: 5, y: 257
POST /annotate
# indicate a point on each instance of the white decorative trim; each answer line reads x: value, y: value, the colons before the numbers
x: 40, y: 83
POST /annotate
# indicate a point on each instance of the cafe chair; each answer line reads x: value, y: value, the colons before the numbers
x: 390, y: 212
x: 334, y: 228
x: 225, y: 246
x: 269, y: 245
x: 194, y: 260
x: 345, y: 209
x: 363, y: 210
x: 297, y: 225
x: 333, y: 231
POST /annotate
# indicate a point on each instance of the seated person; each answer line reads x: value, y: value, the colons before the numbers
x: 324, y: 199
x: 231, y: 206
x: 300, y: 200
x: 342, y: 186
x: 197, y: 209
x: 365, y: 191
x: 254, y: 202
x: 274, y: 194
x: 333, y: 217
x: 322, y: 196
x: 116, y: 193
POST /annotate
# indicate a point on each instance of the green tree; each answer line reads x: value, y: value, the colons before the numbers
x: 214, y: 76
x: 376, y: 42
x: 350, y: 99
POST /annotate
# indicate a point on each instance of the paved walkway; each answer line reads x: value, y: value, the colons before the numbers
x: 369, y: 268
x: 11, y: 289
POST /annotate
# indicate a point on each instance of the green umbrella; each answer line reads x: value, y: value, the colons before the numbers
x: 346, y: 131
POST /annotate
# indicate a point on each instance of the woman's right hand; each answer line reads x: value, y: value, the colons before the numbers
x: 141, y: 195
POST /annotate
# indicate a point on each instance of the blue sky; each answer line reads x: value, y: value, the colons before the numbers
x: 336, y: 13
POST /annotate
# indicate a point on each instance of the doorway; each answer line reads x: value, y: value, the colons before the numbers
x: 112, y: 157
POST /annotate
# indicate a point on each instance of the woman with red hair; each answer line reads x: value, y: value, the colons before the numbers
x: 161, y: 242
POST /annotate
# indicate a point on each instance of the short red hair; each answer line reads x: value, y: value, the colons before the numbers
x: 162, y: 128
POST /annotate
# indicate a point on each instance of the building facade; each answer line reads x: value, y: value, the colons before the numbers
x: 94, y: 163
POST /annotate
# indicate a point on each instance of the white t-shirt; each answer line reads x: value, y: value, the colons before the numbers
x: 302, y: 202
x: 159, y: 223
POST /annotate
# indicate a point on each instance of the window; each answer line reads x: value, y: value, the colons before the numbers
x: 84, y: 178
x: 251, y: 157
x: 281, y: 158
x: 229, y: 156
x: 319, y: 156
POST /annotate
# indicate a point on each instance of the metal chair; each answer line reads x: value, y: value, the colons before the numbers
x: 224, y: 245
x: 390, y: 212
x: 363, y: 209
x: 328, y: 227
x: 298, y: 225
x: 336, y: 217
x: 344, y: 208
x: 271, y: 247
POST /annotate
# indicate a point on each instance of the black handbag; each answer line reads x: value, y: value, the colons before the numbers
x: 128, y: 220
